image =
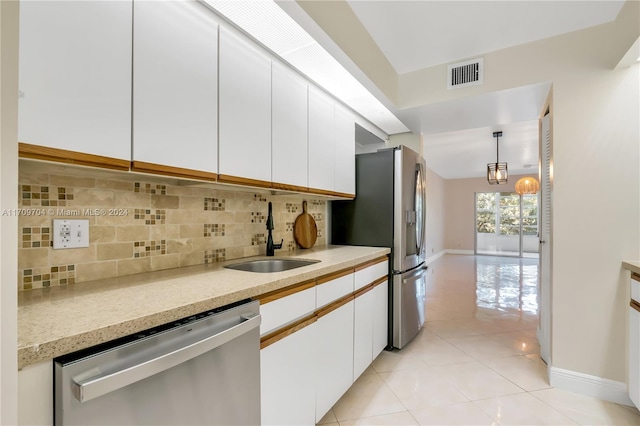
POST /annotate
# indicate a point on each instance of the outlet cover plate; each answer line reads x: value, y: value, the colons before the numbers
x: 70, y: 233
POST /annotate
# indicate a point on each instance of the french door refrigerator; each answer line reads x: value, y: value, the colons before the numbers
x: 389, y: 211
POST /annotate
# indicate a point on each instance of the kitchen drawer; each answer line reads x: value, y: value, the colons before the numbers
x: 369, y: 272
x: 286, y: 305
x: 635, y: 287
x: 334, y: 286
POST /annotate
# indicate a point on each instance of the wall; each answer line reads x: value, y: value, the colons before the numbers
x: 459, y: 201
x: 435, y: 225
x: 142, y: 223
x: 9, y: 12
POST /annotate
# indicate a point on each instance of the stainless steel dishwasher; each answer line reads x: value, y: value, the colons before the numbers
x: 202, y: 370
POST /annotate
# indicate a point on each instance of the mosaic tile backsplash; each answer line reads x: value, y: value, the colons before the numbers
x: 140, y: 223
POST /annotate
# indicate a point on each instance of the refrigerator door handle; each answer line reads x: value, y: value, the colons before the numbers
x: 411, y: 217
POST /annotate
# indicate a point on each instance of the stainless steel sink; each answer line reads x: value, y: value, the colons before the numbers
x: 271, y: 265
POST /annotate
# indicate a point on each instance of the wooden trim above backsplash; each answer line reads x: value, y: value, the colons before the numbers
x: 37, y: 152
x: 160, y: 169
x: 331, y: 193
x: 243, y: 181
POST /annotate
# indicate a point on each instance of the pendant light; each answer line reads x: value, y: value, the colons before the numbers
x: 527, y: 185
x: 497, y: 172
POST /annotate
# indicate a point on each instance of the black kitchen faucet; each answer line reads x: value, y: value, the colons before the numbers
x: 270, y: 245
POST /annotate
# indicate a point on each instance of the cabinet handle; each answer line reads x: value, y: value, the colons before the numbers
x: 272, y: 338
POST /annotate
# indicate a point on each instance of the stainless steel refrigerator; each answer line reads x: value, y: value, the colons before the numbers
x: 389, y: 211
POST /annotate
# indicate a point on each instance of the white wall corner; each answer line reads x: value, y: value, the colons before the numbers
x: 585, y: 384
x: 435, y: 257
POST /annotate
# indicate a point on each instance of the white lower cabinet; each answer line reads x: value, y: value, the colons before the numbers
x: 380, y: 317
x: 634, y: 341
x: 287, y: 375
x: 363, y: 331
x: 35, y: 394
x: 370, y: 324
x: 334, y: 356
x: 634, y: 355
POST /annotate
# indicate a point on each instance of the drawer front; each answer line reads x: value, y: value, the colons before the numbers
x: 282, y: 311
x: 334, y: 289
x: 368, y: 275
x: 635, y: 287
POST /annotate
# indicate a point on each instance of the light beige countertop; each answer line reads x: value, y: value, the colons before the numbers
x: 60, y: 320
x: 633, y: 266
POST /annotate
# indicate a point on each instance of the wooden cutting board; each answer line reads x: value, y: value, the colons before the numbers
x: 305, y: 230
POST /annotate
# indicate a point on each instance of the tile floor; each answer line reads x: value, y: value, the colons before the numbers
x: 476, y: 362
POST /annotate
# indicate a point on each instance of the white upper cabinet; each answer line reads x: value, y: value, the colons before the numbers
x: 345, y: 151
x: 321, y: 140
x: 75, y: 76
x: 175, y: 90
x: 289, y: 133
x: 245, y: 110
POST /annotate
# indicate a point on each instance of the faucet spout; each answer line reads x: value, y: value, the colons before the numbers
x: 270, y: 245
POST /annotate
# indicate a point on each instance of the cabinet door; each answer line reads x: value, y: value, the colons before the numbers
x: 321, y: 140
x: 245, y: 111
x: 35, y: 394
x: 345, y: 151
x: 284, y: 310
x: 287, y: 379
x: 175, y: 90
x: 333, y: 287
x: 75, y: 76
x: 334, y: 356
x: 634, y: 355
x: 380, y: 317
x: 289, y: 120
x: 363, y: 332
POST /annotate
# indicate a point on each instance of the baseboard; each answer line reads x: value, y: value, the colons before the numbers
x: 452, y: 251
x: 435, y: 257
x: 585, y: 384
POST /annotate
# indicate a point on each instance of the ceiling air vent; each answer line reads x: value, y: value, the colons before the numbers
x: 465, y: 74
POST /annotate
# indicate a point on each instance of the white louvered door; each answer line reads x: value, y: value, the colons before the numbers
x: 546, y: 188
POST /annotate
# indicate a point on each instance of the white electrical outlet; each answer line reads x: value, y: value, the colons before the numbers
x: 70, y: 233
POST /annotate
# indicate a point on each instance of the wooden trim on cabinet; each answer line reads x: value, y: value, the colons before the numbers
x: 331, y: 193
x: 635, y: 305
x: 38, y: 152
x: 286, y: 291
x: 635, y: 277
x: 280, y: 334
x: 243, y: 181
x: 160, y: 169
x: 334, y: 275
x: 335, y: 305
x: 287, y: 187
x: 380, y: 280
x: 363, y: 290
x: 371, y: 263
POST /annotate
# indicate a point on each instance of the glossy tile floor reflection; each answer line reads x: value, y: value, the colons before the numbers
x: 476, y: 362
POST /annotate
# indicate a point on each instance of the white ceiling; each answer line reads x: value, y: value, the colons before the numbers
x: 458, y: 135
x: 420, y: 34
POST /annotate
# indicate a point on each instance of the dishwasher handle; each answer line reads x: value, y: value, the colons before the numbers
x: 93, y: 387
